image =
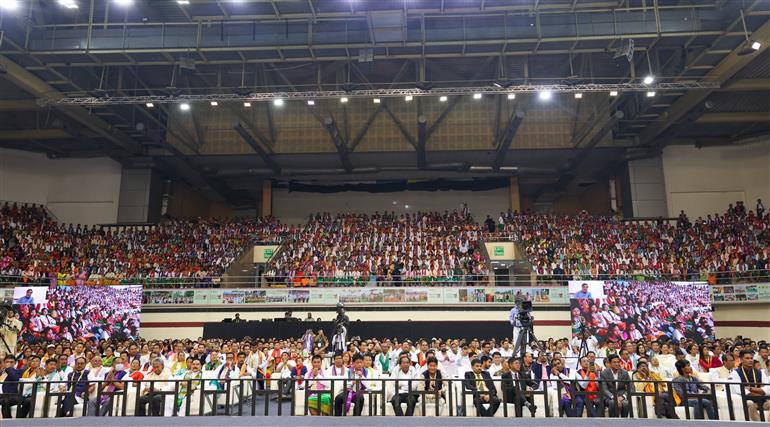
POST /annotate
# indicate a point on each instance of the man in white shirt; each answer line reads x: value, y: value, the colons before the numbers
x: 447, y: 361
x: 96, y: 373
x: 755, y: 382
x: 337, y: 374
x: 405, y: 388
x: 161, y: 377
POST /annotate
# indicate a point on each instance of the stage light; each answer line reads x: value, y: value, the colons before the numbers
x: 149, y: 105
x: 183, y: 2
x: 650, y: 94
x: 247, y: 104
x: 344, y: 99
x: 184, y: 106
x: 214, y: 103
x: 310, y: 102
x: 511, y: 96
x: 613, y: 93
x: 123, y: 2
x: 69, y: 4
x: 649, y: 79
x: 476, y: 96
x: 545, y: 95
x: 278, y: 102
x: 376, y: 100
x: 408, y: 98
x: 443, y: 99
x: 756, y: 45
x: 9, y: 4
x: 578, y: 95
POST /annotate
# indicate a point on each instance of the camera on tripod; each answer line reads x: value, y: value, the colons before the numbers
x: 525, y: 314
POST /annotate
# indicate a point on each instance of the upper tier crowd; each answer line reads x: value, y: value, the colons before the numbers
x: 33, y: 246
x: 736, y: 243
x: 382, y: 248
x: 676, y: 372
x: 387, y: 248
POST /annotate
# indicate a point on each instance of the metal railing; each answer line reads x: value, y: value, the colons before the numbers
x: 256, y: 396
x: 720, y: 278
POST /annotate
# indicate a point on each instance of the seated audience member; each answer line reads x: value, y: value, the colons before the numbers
x: 433, y: 380
x: 650, y: 382
x: 691, y: 391
x: 77, y: 388
x: 722, y: 373
x: 193, y: 378
x: 614, y: 386
x: 315, y: 382
x: 405, y: 386
x: 514, y: 388
x: 353, y: 395
x: 113, y: 381
x: 479, y: 382
x: 156, y: 382
x: 755, y: 383
x: 585, y: 381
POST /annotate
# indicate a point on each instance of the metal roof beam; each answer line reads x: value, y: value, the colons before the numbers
x: 723, y: 72
x: 514, y: 121
x: 261, y: 152
x: 38, y: 88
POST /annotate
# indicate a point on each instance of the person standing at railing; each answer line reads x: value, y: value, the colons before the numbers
x: 688, y: 382
x: 756, y: 385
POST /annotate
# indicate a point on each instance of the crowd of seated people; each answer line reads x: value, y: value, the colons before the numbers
x: 34, y: 247
x: 717, y: 248
x: 676, y: 373
x: 385, y: 248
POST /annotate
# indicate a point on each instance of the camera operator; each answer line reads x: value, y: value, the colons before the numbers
x: 9, y: 331
x: 515, y: 317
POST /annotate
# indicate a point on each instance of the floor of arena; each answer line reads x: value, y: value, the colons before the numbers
x: 270, y: 421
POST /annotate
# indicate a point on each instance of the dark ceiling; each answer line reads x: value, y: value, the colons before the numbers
x: 159, y: 47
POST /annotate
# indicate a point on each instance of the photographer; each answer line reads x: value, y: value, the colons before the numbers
x: 9, y: 330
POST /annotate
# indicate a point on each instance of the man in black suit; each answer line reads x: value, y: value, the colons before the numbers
x: 480, y: 383
x: 433, y: 378
x: 514, y: 384
x: 614, y: 387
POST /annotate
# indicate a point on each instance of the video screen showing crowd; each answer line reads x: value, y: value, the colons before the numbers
x: 622, y: 310
x: 74, y: 313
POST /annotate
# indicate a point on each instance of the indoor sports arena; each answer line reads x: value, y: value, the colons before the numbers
x: 303, y: 212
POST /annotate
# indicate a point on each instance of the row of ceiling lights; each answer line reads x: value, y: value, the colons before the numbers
x: 278, y: 102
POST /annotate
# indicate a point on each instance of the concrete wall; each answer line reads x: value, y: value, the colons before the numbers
x: 703, y: 181
x: 83, y: 191
x: 295, y: 207
x: 647, y: 188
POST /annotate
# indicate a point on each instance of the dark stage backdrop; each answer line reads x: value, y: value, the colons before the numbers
x: 385, y: 329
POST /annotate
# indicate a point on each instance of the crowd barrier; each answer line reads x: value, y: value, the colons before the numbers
x: 534, y: 279
x: 376, y: 396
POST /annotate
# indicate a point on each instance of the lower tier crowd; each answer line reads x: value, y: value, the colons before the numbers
x: 590, y: 378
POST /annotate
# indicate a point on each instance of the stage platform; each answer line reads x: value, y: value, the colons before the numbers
x: 286, y: 421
